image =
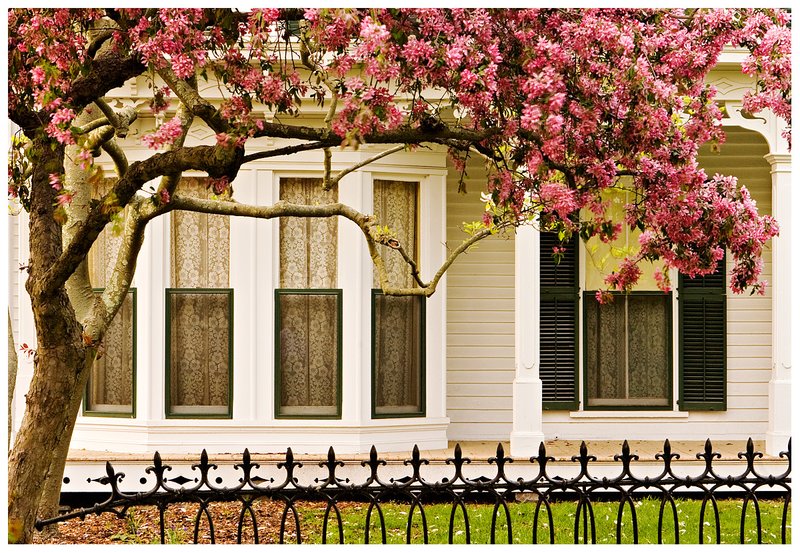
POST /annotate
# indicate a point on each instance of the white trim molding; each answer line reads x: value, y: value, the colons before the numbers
x: 780, y: 384
x: 526, y: 432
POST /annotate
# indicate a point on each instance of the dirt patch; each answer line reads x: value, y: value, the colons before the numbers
x: 141, y: 524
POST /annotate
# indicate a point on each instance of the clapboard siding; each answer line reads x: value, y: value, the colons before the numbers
x: 465, y: 377
x: 480, y: 321
x: 489, y: 340
x: 480, y: 330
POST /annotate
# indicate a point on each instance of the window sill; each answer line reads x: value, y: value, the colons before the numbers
x: 629, y: 414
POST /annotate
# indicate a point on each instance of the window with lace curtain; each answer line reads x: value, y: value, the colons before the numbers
x: 199, y: 309
x: 629, y: 350
x: 110, y: 390
x: 627, y: 341
x: 308, y: 309
x: 398, y: 347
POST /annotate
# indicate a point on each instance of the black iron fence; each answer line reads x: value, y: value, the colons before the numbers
x: 334, y: 490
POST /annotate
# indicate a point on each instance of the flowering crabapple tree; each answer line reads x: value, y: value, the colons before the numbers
x: 560, y: 104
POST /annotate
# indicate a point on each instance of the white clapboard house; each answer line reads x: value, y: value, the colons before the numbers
x: 268, y: 334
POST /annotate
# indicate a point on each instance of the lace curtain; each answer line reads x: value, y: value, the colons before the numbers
x: 397, y: 332
x: 308, y: 322
x: 200, y: 251
x: 627, y: 351
x: 199, y: 340
x: 110, y: 385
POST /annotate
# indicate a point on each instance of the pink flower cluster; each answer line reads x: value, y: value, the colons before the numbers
x: 165, y: 135
x: 362, y: 113
x: 174, y: 38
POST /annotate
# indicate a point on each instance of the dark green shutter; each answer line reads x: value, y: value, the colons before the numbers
x: 702, y: 347
x: 558, y: 323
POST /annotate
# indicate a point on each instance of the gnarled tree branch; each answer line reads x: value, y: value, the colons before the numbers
x: 366, y: 223
x: 333, y: 181
x: 186, y: 91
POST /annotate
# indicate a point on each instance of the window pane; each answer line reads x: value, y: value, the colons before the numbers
x: 605, y: 350
x: 395, y: 206
x: 648, y: 348
x: 110, y: 385
x: 398, y: 354
x: 308, y: 345
x: 199, y: 353
x: 604, y: 257
x: 200, y: 243
x: 627, y: 351
x: 307, y: 244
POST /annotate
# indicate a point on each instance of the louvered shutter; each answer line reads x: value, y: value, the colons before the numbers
x: 702, y: 347
x: 558, y: 320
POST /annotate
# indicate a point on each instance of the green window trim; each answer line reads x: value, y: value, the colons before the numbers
x: 337, y: 292
x: 376, y: 292
x: 86, y: 412
x: 559, y: 296
x: 702, y: 316
x: 590, y: 295
x: 167, y: 373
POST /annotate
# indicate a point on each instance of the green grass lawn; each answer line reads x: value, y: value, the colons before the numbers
x: 522, y: 514
x: 141, y: 524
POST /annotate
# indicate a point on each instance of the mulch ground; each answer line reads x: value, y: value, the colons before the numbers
x: 141, y: 525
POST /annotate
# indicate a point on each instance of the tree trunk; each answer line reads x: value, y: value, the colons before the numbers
x: 59, y: 363
x: 12, y: 373
x: 51, y: 494
x: 50, y: 410
x: 82, y: 298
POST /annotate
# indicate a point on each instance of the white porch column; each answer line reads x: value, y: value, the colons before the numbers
x: 780, y: 384
x: 526, y: 432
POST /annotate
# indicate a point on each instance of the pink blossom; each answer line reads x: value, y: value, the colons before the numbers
x: 55, y: 181
x: 219, y: 185
x: 626, y: 275
x: 64, y: 198
x: 86, y: 158
x: 165, y: 135
x: 557, y: 197
x: 37, y: 75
